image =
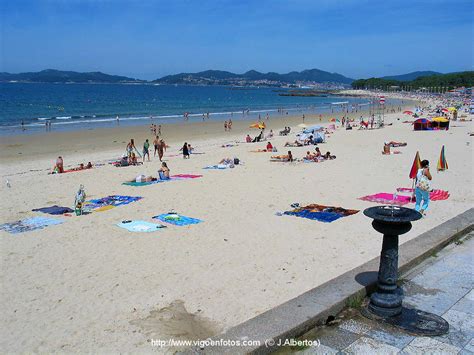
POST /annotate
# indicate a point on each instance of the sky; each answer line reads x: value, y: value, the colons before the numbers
x: 148, y: 39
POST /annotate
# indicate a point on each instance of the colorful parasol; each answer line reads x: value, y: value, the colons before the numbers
x: 415, y: 166
x: 408, y: 112
x: 442, y: 163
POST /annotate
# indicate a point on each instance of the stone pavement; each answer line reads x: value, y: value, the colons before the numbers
x: 442, y: 284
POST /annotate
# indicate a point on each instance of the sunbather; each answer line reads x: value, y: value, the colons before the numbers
x: 287, y: 157
x: 296, y: 143
x: 386, y: 148
x: 164, y: 172
x: 248, y: 139
x: 394, y: 144
x: 269, y: 147
x: 328, y: 156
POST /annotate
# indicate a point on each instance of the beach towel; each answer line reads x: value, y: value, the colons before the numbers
x: 219, y: 166
x: 106, y: 203
x: 386, y: 198
x: 321, y: 213
x: 140, y: 226
x: 29, y: 224
x: 435, y: 195
x: 145, y: 183
x: 55, y: 210
x: 184, y: 176
x: 176, y: 219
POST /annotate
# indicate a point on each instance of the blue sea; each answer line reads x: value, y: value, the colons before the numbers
x: 26, y: 107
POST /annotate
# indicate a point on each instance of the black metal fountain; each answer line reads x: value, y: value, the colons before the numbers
x: 386, y: 302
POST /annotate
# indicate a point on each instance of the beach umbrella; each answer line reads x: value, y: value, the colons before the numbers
x: 332, y: 120
x: 415, y: 166
x: 258, y: 125
x: 442, y: 163
x: 440, y: 119
x: 451, y: 108
x: 445, y: 110
x: 408, y: 112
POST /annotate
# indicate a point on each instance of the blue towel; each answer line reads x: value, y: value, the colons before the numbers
x: 140, y: 226
x: 180, y: 221
x: 29, y: 224
x: 326, y: 217
x: 114, y: 200
x: 55, y: 210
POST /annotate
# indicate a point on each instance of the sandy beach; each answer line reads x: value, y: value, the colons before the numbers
x: 89, y: 286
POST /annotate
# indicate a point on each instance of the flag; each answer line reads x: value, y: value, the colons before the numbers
x: 415, y: 166
x: 442, y: 163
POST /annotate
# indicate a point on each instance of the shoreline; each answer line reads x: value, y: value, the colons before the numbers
x: 110, y: 139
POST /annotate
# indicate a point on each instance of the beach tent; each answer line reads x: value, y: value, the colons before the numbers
x: 422, y: 124
x: 313, y: 129
x: 318, y: 137
x: 440, y: 122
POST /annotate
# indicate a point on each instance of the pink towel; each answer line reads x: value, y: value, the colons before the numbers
x: 186, y: 176
x: 386, y: 198
x: 435, y: 195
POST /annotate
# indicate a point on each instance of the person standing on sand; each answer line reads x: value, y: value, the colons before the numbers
x: 225, y: 126
x: 159, y: 130
x: 422, y: 190
x: 156, y: 143
x: 161, y: 146
x: 130, y: 148
x: 229, y: 125
x: 185, y: 151
x: 146, y: 151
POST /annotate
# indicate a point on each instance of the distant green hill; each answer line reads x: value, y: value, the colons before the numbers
x: 59, y: 76
x: 451, y: 80
x: 410, y: 76
x: 225, y: 77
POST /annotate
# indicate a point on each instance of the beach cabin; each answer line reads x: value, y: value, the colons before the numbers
x: 440, y: 123
x: 422, y: 124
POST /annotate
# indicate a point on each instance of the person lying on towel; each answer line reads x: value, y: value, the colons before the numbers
x: 288, y: 157
x: 328, y: 156
x: 294, y: 144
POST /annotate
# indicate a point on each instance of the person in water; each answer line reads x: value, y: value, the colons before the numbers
x: 164, y: 172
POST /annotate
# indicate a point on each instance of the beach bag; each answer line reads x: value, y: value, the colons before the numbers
x: 423, y: 183
x: 236, y: 161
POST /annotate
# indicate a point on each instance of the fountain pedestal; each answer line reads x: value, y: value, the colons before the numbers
x: 386, y: 302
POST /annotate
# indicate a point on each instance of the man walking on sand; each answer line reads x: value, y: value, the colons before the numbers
x: 146, y: 150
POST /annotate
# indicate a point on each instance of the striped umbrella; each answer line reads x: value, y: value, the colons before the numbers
x: 442, y: 163
x: 415, y: 166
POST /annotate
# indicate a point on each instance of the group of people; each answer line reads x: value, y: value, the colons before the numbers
x: 155, y: 130
x: 317, y: 156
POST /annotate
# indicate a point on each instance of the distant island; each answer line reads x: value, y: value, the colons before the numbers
x: 59, y: 76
